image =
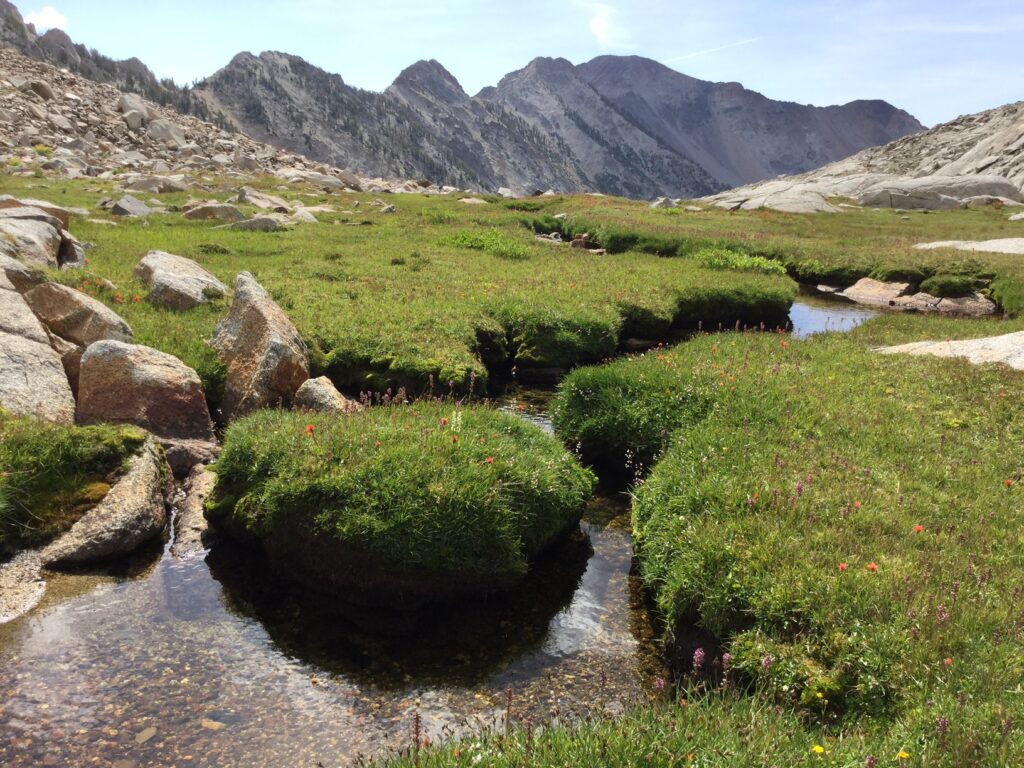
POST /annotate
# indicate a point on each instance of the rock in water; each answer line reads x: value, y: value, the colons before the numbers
x: 875, y: 292
x: 190, y: 526
x: 321, y: 395
x: 130, y: 384
x: 133, y: 513
x: 177, y: 282
x: 266, y: 358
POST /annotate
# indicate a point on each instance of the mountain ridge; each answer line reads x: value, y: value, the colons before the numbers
x: 625, y: 125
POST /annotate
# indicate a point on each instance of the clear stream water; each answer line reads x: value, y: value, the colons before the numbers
x: 210, y: 662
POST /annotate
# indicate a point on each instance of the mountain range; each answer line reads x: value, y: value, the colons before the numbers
x: 622, y: 125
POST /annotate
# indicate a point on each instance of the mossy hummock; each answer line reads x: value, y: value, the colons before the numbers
x: 422, y: 502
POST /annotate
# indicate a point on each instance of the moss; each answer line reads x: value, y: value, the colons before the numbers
x: 52, y: 475
x: 949, y: 286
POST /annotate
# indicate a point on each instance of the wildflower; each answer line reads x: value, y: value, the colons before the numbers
x: 871, y: 762
x: 949, y: 662
x: 942, y: 614
x: 942, y: 726
x: 1009, y: 482
x: 444, y: 421
x: 490, y: 459
x: 726, y: 662
x: 136, y: 298
x: 119, y: 298
x: 766, y: 662
x: 818, y: 749
x: 455, y: 439
x: 698, y: 660
x: 659, y: 683
x: 873, y: 567
x: 903, y: 755
x: 844, y: 567
x: 310, y: 429
x: 856, y: 505
x: 377, y: 444
x: 918, y: 528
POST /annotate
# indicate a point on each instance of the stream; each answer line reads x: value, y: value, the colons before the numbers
x: 208, y: 661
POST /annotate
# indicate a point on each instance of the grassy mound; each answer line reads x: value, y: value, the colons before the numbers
x: 846, y: 526
x: 50, y: 475
x: 427, y: 500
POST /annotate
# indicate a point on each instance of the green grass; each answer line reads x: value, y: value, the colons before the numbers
x: 50, y: 475
x: 786, y: 460
x: 461, y: 495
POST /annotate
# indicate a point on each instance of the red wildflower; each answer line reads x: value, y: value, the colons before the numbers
x: 918, y: 528
x: 136, y: 298
x: 490, y: 459
x: 444, y: 422
x: 949, y: 662
x: 1009, y: 482
x: 844, y: 567
x: 119, y: 298
x: 310, y: 429
x: 873, y: 567
x: 455, y: 439
x: 377, y: 444
x: 856, y: 505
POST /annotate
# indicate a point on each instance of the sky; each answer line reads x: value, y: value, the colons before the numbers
x: 937, y: 59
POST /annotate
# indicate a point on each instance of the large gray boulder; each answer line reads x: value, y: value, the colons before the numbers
x: 130, y: 206
x: 63, y: 215
x: 32, y: 380
x: 123, y: 383
x: 272, y: 222
x: 133, y: 513
x: 322, y: 396
x: 165, y: 131
x: 156, y: 185
x: 177, y: 282
x: 936, y: 192
x: 76, y: 317
x: 133, y: 102
x: 30, y: 235
x: 250, y: 196
x: 214, y: 211
x: 266, y: 358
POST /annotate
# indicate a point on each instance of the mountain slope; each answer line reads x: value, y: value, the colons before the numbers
x: 736, y: 134
x: 973, y: 155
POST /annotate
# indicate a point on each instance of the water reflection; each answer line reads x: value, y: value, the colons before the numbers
x: 814, y: 314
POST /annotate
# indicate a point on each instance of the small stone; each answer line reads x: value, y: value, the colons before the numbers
x: 145, y: 735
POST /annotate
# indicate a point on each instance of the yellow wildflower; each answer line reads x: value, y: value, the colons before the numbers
x: 903, y: 755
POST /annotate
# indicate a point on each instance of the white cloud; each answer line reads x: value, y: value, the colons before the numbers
x: 48, y: 18
x: 604, y: 23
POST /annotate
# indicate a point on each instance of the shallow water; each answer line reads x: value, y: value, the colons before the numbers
x: 817, y: 314
x: 208, y: 662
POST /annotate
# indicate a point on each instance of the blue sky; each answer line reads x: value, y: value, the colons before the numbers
x: 935, y: 58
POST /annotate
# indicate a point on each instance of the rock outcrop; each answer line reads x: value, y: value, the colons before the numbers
x: 133, y: 513
x: 1011, y: 245
x: 176, y: 282
x: 191, y: 529
x: 974, y: 159
x: 266, y: 358
x: 1007, y: 349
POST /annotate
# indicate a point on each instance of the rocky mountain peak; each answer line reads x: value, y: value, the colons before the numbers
x: 429, y: 78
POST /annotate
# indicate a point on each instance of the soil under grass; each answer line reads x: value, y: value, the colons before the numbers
x: 424, y: 501
x: 50, y: 475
